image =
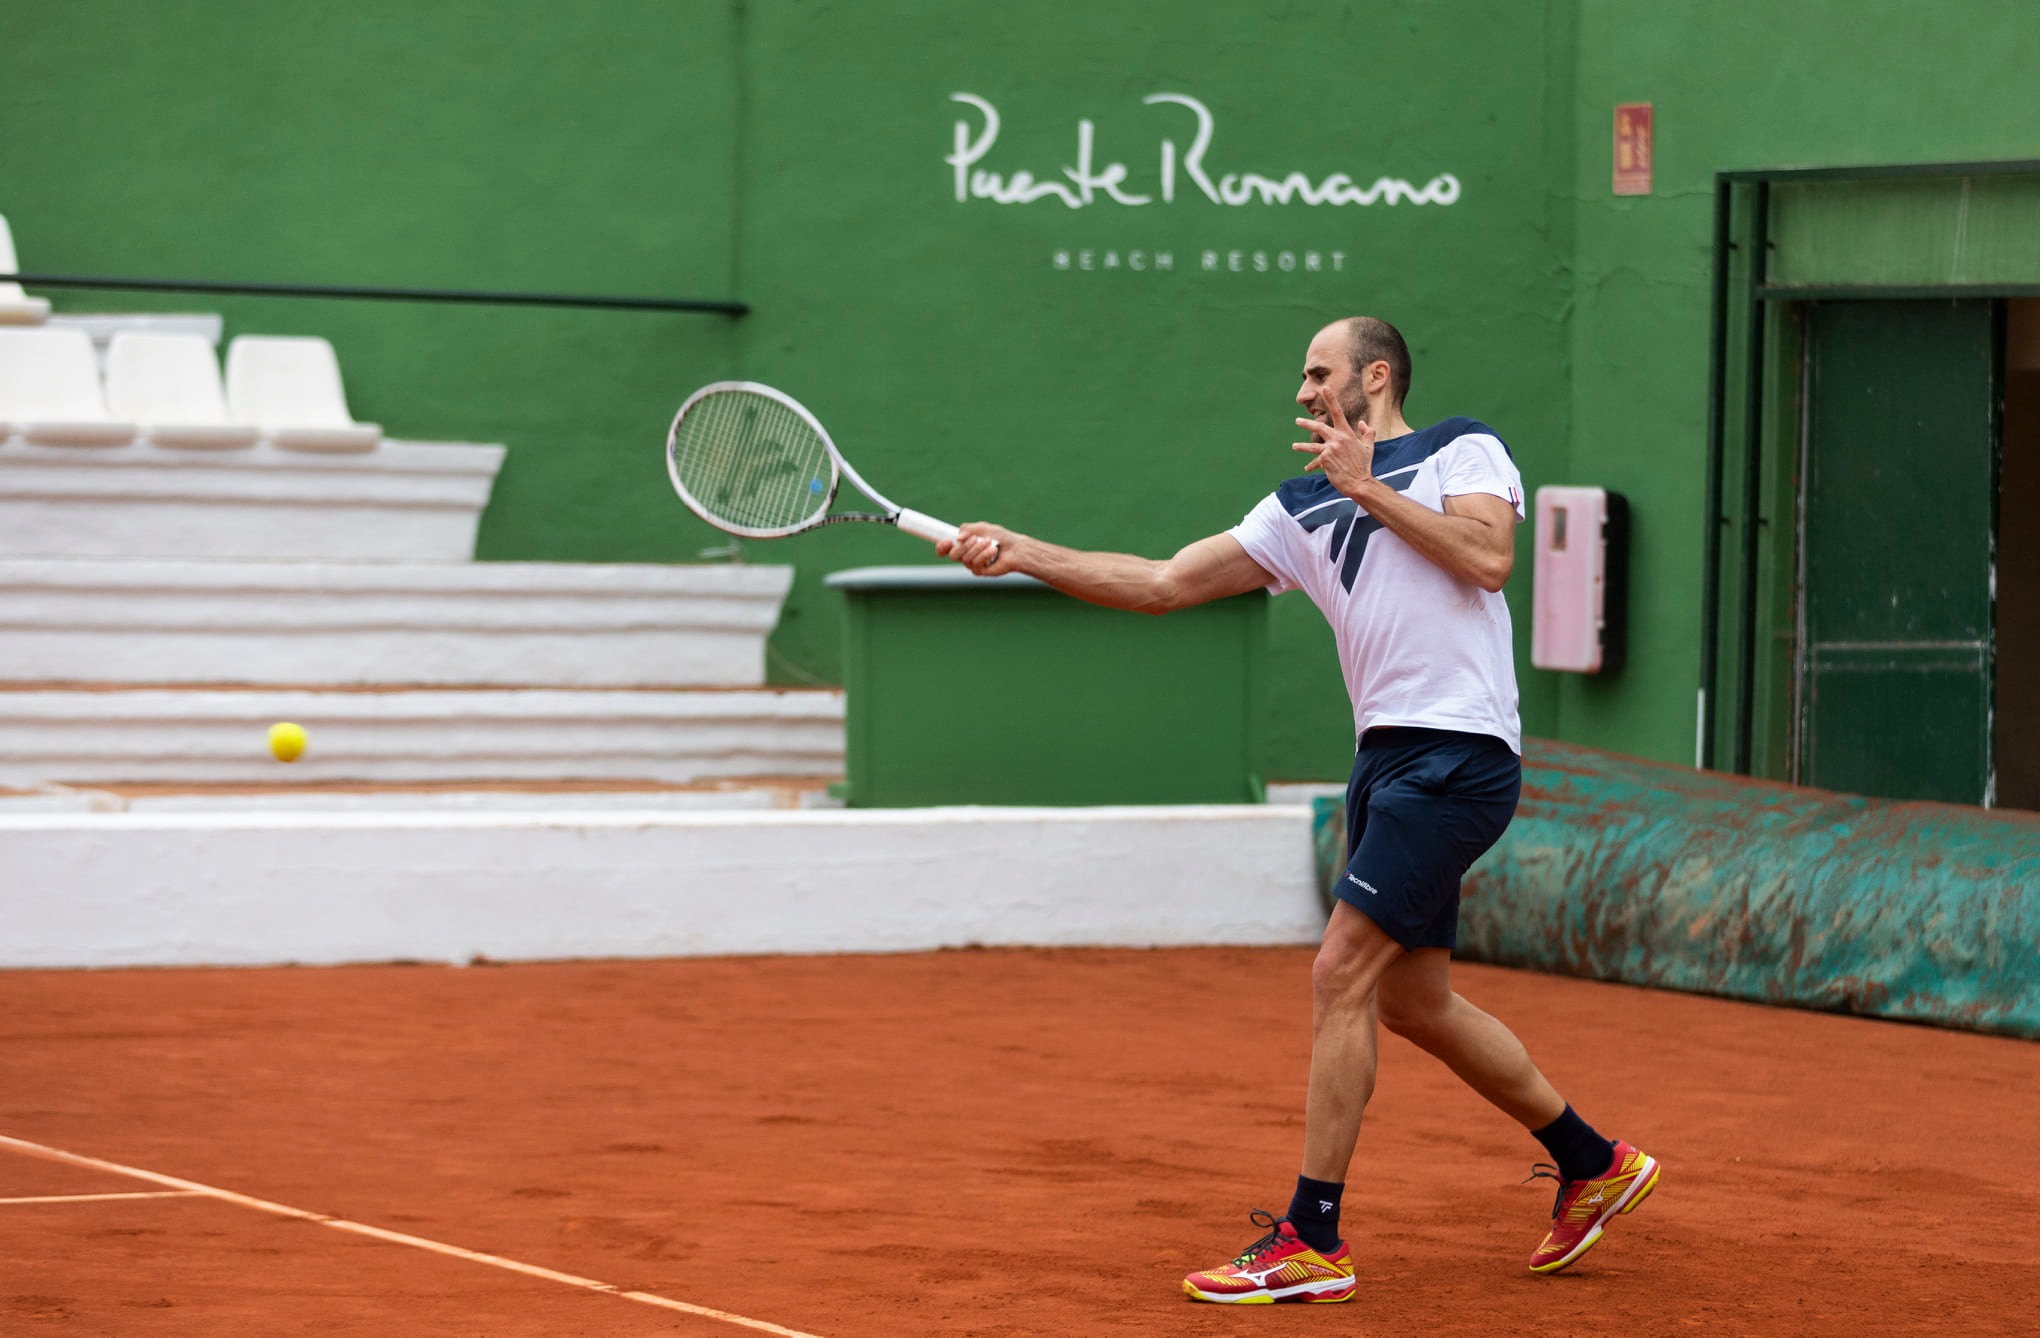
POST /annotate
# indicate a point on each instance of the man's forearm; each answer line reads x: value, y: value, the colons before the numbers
x: 1463, y: 547
x: 1115, y: 580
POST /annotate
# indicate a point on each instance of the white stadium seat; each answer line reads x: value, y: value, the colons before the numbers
x: 16, y: 306
x: 170, y: 384
x: 290, y: 389
x: 49, y: 389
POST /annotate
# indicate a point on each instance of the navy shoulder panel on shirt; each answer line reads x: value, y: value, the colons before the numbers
x: 1299, y: 495
x: 1398, y: 453
x: 1460, y: 427
x: 1425, y: 442
x: 1309, y: 492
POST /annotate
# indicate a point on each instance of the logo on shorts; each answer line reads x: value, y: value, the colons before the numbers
x: 1357, y: 883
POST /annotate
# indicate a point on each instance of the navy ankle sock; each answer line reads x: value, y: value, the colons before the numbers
x: 1573, y: 1144
x: 1314, y: 1211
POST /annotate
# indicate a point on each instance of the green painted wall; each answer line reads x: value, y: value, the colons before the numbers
x: 624, y: 147
x: 1134, y: 410
x: 793, y: 154
x: 508, y: 144
x: 1817, y: 83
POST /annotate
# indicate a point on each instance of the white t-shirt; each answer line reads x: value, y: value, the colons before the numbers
x: 1418, y: 646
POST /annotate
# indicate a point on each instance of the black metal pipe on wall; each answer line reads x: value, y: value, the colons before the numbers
x: 592, y: 301
x: 1710, y: 568
x: 1753, y: 481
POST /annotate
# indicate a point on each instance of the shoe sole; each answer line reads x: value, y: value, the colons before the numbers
x: 1264, y: 1297
x: 1628, y: 1203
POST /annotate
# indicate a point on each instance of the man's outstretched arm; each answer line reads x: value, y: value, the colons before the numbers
x: 1208, y: 569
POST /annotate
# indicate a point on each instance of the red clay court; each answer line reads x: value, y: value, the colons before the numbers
x: 986, y: 1143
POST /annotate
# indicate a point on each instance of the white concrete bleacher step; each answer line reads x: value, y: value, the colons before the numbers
x: 161, y: 605
x: 131, y: 621
x: 71, y: 737
x: 407, y: 501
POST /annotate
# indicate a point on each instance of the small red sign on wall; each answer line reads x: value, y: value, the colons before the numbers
x: 1632, y: 148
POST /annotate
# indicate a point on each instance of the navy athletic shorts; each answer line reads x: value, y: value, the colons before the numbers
x: 1422, y: 807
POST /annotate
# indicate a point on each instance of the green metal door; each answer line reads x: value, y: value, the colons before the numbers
x: 1899, y: 496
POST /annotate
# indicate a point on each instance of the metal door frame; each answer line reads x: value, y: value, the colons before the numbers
x: 1753, y: 186
x: 1795, y: 744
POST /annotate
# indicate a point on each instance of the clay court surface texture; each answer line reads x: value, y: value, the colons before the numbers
x: 971, y: 1142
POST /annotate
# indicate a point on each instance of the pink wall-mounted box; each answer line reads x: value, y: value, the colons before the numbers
x: 1580, y: 585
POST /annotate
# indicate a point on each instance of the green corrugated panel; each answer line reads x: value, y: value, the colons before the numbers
x: 1909, y: 231
x: 1617, y: 869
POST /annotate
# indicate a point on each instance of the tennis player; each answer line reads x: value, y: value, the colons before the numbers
x: 1404, y: 538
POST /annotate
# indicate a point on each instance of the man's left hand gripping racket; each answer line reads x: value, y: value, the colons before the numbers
x: 750, y: 460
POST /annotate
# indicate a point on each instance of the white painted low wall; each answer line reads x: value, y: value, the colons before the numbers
x: 438, y: 735
x: 187, y: 889
x: 396, y: 623
x: 730, y: 797
x: 405, y: 501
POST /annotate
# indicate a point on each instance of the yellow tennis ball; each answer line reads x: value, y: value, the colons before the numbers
x: 287, y: 741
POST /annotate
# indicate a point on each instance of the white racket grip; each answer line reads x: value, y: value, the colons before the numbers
x: 925, y: 527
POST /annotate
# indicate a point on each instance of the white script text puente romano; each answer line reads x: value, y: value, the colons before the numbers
x: 1088, y: 182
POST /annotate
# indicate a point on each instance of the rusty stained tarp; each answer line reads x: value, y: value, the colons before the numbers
x: 1660, y: 875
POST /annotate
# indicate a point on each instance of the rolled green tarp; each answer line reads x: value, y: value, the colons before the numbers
x: 1617, y: 869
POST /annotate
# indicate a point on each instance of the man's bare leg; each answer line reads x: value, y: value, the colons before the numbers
x: 1417, y: 1003
x: 1351, y: 962
x: 1301, y: 1258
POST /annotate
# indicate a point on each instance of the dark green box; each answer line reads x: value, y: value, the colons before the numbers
x: 964, y: 690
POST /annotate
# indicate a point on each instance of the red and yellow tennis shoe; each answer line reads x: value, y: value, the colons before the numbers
x: 1277, y: 1267
x: 1585, y: 1206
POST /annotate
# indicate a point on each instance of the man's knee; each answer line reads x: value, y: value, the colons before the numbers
x: 1418, y: 1016
x: 1332, y: 973
x: 1354, y: 953
x: 1410, y: 1023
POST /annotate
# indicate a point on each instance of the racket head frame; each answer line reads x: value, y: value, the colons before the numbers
x: 839, y: 468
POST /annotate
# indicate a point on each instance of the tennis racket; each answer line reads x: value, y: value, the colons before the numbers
x: 750, y: 460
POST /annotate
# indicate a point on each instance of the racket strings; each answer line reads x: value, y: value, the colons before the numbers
x: 750, y: 461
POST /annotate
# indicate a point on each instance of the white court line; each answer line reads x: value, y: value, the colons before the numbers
x: 396, y: 1237
x: 103, y: 1198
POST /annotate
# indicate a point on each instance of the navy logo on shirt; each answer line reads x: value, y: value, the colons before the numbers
x: 1315, y: 503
